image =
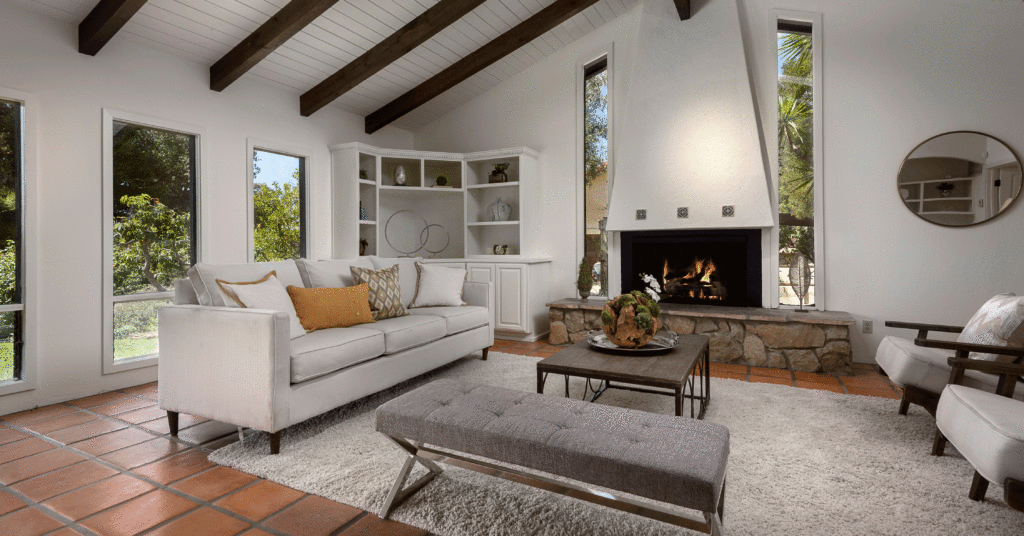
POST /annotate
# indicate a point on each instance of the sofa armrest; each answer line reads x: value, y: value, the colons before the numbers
x: 227, y: 364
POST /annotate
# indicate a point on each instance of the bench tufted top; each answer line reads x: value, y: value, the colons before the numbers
x: 677, y: 460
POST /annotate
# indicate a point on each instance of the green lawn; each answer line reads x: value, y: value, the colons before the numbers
x: 6, y: 361
x: 129, y: 348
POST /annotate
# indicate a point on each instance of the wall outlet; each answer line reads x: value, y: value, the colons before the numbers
x: 869, y: 326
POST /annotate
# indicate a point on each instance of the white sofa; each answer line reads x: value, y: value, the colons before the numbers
x: 239, y: 366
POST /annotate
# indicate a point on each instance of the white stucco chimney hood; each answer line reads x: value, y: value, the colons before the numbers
x: 689, y: 134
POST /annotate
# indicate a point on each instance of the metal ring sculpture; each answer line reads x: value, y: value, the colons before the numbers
x: 423, y: 239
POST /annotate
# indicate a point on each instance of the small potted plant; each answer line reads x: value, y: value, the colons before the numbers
x: 499, y: 175
x: 442, y: 181
x: 584, y: 281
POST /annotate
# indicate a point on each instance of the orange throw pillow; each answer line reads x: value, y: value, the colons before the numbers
x: 323, y: 308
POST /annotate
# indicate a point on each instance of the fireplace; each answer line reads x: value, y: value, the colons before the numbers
x: 708, y: 267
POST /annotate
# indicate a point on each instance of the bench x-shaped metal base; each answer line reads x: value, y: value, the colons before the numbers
x: 398, y: 495
x: 710, y: 524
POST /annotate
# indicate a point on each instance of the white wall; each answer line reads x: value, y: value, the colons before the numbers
x: 894, y: 75
x: 39, y: 56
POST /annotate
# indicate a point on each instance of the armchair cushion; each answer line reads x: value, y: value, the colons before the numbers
x: 986, y: 428
x: 457, y: 319
x: 999, y: 322
x: 408, y: 331
x: 927, y: 368
x: 325, y: 351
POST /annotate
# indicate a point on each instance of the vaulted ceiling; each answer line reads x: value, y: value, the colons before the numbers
x: 207, y: 30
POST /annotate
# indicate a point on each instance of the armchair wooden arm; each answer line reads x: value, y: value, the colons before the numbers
x: 965, y: 348
x: 923, y: 329
x: 1008, y: 372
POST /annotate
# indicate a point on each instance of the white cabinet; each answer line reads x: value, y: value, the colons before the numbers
x: 520, y: 294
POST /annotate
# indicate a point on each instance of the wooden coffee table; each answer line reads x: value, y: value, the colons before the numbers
x: 682, y: 372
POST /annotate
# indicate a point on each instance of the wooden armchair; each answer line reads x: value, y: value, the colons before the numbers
x: 922, y: 369
x: 987, y: 428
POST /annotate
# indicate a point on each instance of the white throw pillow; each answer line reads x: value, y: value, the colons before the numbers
x: 267, y: 293
x: 1000, y: 322
x: 438, y: 286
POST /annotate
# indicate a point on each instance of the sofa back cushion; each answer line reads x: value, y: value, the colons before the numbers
x: 335, y: 273
x: 204, y: 278
x: 406, y: 273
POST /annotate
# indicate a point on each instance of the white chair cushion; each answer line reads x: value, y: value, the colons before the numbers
x: 324, y: 351
x: 928, y: 368
x: 438, y: 286
x: 458, y: 319
x: 405, y: 332
x: 986, y: 428
x: 330, y: 273
x: 999, y: 322
x: 406, y: 274
x: 204, y: 278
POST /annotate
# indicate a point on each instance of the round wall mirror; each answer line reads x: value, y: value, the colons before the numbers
x: 960, y: 178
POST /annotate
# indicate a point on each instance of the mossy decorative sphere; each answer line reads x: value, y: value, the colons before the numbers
x: 631, y: 320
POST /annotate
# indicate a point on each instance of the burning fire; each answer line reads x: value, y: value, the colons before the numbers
x: 700, y: 281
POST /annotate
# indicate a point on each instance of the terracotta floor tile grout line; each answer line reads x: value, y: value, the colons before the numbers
x: 130, y: 472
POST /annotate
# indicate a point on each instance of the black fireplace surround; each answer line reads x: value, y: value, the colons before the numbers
x: 683, y: 259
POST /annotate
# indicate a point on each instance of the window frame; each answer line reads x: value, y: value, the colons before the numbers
x: 110, y: 366
x: 28, y: 267
x: 606, y: 53
x: 820, y: 272
x: 254, y: 144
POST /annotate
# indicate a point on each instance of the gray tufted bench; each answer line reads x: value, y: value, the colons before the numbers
x: 675, y: 460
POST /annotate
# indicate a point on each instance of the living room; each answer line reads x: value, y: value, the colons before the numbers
x: 691, y: 107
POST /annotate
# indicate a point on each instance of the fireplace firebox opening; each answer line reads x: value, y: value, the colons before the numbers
x: 709, y: 267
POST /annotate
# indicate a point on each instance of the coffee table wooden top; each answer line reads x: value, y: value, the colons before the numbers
x: 668, y: 370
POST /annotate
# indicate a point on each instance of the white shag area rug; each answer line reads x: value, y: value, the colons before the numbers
x: 801, y: 462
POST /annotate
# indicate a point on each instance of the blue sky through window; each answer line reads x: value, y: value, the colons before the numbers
x: 275, y: 167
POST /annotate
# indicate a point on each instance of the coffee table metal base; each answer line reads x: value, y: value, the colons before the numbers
x: 699, y: 379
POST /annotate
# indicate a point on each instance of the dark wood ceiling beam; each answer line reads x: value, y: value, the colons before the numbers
x: 476, y: 61
x: 683, y: 7
x: 398, y: 44
x: 103, y: 22
x: 261, y: 43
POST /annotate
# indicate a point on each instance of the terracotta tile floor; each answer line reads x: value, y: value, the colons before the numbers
x: 104, y: 465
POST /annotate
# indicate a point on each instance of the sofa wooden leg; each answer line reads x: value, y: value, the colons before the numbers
x: 172, y: 422
x: 978, y: 487
x: 484, y: 358
x: 275, y: 442
x: 939, y: 446
x: 1014, y: 493
x: 904, y: 405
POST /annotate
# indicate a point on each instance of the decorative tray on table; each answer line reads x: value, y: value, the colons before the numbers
x: 663, y: 342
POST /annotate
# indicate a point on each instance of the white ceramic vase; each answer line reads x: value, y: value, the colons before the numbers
x: 500, y: 210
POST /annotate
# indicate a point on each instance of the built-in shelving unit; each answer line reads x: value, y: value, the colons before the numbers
x: 924, y: 197
x: 455, y: 218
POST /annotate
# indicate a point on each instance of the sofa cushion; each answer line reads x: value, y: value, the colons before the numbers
x: 325, y: 308
x: 204, y: 278
x: 438, y: 286
x: 327, y: 350
x: 264, y: 293
x: 330, y: 273
x: 406, y: 273
x: 457, y: 319
x: 408, y: 331
x: 909, y: 364
x: 385, y: 295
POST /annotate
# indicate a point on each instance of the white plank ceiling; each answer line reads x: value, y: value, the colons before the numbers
x: 205, y: 30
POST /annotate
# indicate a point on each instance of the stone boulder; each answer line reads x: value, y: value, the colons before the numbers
x: 836, y: 357
x: 803, y: 360
x: 559, y: 335
x: 777, y: 335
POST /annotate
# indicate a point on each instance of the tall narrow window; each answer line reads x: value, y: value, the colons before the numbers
x: 12, y: 306
x: 278, y: 206
x: 797, y: 163
x: 595, y: 173
x: 153, y: 214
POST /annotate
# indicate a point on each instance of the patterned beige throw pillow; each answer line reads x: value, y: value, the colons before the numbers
x: 1000, y: 322
x: 385, y: 291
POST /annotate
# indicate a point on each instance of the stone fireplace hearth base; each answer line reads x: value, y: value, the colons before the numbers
x: 815, y: 341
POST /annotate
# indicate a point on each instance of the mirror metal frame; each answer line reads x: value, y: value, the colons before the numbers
x: 919, y: 145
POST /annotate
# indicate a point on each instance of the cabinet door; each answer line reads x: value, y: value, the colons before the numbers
x: 484, y: 273
x: 449, y: 265
x: 511, y: 289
